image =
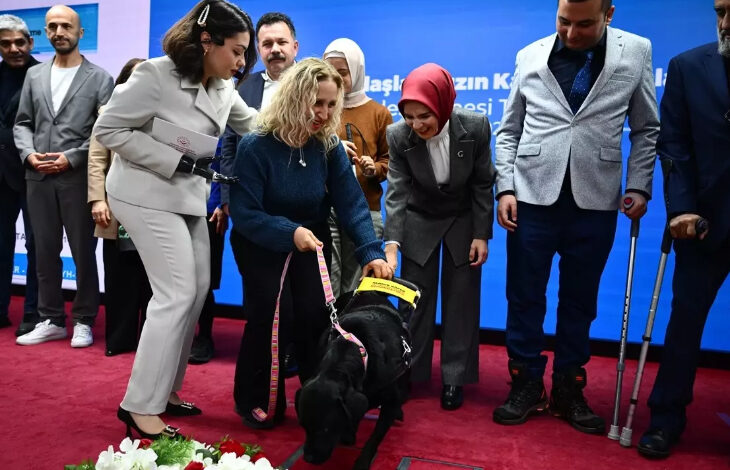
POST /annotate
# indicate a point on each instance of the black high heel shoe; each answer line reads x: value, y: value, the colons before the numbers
x: 126, y: 418
x: 183, y: 409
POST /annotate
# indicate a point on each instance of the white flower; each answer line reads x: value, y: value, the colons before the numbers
x: 108, y: 460
x: 128, y: 445
x: 263, y: 464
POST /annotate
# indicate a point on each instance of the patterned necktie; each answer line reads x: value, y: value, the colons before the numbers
x: 581, y: 85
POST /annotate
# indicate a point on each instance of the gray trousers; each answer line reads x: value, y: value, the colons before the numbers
x: 175, y: 251
x: 460, y: 294
x: 56, y: 204
x: 346, y: 271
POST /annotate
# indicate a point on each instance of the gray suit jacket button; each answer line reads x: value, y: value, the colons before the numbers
x: 55, y: 122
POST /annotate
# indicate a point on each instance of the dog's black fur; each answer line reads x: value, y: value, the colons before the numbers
x: 331, y: 404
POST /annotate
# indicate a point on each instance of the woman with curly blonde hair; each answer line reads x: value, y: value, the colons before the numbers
x: 292, y: 171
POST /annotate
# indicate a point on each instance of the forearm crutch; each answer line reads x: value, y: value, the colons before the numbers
x: 613, y: 433
x: 626, y: 432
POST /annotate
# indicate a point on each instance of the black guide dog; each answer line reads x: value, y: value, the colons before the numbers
x: 332, y: 403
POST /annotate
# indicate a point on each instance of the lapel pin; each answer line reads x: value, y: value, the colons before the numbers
x: 460, y: 154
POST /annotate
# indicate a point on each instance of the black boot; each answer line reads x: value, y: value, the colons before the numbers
x: 527, y: 396
x: 567, y: 402
x: 202, y: 350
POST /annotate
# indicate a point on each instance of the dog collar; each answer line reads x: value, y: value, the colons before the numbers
x: 352, y: 338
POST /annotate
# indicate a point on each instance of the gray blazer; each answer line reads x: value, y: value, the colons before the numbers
x: 144, y: 173
x: 419, y: 213
x: 39, y: 129
x: 539, y: 134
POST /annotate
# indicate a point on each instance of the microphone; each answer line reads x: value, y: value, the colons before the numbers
x: 348, y: 131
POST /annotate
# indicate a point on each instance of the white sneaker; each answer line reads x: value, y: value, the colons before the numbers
x: 43, y: 331
x: 82, y: 337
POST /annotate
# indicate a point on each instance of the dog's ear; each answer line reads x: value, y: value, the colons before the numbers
x: 357, y: 405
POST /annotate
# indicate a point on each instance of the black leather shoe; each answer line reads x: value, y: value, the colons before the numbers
x: 202, y: 350
x: 567, y: 402
x: 248, y: 420
x: 527, y: 396
x: 183, y: 409
x: 290, y: 366
x: 126, y: 418
x: 109, y: 352
x: 452, y: 397
x: 656, y: 443
x: 30, y: 319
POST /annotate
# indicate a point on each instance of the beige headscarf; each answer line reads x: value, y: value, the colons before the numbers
x: 349, y: 50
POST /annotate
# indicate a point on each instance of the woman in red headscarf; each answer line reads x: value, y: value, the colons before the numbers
x: 439, y: 200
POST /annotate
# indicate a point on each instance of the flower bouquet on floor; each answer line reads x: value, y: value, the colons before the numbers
x: 178, y: 453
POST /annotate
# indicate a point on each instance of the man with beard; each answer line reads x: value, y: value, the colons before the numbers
x: 277, y: 45
x: 15, y: 46
x: 694, y: 146
x: 58, y: 107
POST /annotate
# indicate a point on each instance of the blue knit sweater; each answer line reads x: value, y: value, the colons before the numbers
x: 276, y: 194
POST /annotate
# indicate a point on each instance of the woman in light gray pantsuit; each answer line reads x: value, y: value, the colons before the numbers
x: 162, y: 205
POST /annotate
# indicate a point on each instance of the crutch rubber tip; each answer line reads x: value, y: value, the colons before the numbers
x: 613, y: 433
x: 626, y: 434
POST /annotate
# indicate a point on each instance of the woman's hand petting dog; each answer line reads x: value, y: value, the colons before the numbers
x: 305, y: 240
x: 379, y: 268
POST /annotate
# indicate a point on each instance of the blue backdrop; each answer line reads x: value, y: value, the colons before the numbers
x: 477, y: 42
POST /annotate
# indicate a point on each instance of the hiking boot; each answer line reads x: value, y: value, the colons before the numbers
x: 527, y: 396
x: 567, y: 402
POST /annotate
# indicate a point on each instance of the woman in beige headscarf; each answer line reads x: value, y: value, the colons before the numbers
x: 362, y: 129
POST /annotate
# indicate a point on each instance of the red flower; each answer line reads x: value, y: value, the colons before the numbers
x: 257, y: 456
x: 232, y: 446
x: 145, y: 443
x: 195, y: 466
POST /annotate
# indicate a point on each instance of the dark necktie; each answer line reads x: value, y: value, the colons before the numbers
x: 581, y: 84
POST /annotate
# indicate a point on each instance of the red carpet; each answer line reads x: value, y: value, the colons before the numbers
x: 58, y: 407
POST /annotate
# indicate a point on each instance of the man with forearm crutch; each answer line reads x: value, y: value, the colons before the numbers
x: 695, y: 141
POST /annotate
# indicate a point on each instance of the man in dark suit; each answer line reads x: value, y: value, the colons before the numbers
x: 694, y: 146
x: 276, y: 41
x: 15, y: 46
x: 59, y: 104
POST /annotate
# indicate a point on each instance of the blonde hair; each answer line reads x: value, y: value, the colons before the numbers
x: 289, y: 114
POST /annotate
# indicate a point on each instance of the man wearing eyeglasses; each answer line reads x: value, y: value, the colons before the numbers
x: 694, y: 146
x: 15, y: 46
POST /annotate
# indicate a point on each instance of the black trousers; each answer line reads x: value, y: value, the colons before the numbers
x: 303, y: 316
x: 698, y: 276
x: 127, y: 292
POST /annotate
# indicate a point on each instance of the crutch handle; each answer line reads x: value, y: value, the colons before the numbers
x: 666, y: 240
x: 701, y: 226
x: 628, y: 203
